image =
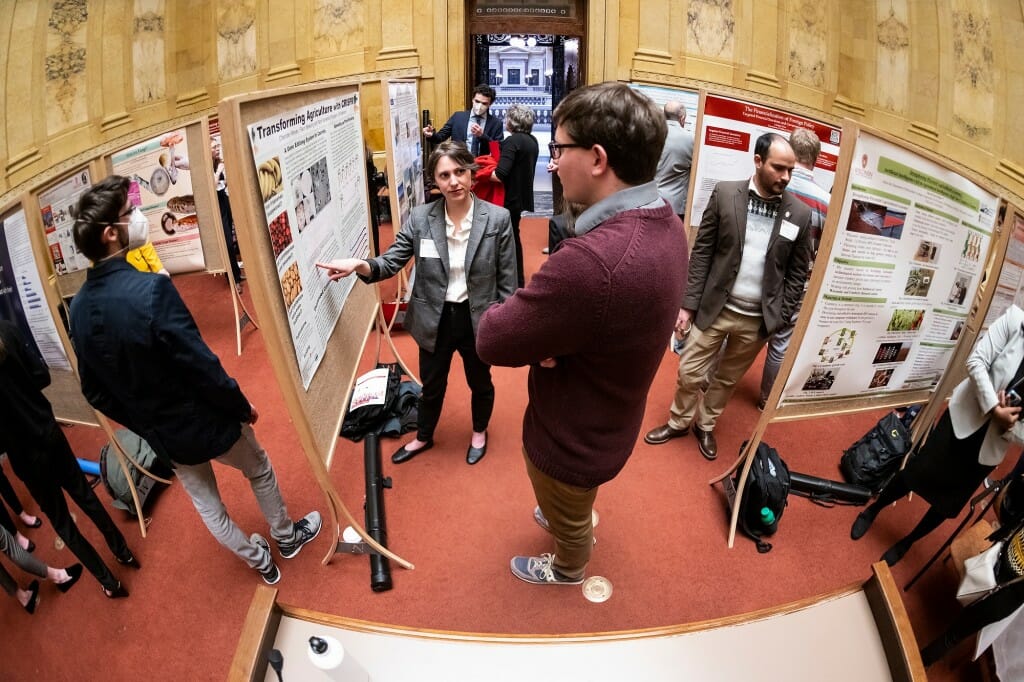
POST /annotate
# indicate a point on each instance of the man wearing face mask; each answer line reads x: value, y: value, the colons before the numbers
x: 144, y: 364
x: 475, y: 127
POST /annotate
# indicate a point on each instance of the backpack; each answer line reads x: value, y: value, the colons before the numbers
x: 767, y: 487
x: 113, y: 477
x: 368, y: 416
x: 876, y: 456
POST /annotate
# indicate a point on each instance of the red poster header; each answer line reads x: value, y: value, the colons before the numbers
x: 730, y: 139
x: 766, y: 117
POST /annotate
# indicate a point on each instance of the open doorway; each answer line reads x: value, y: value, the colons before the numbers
x: 536, y: 70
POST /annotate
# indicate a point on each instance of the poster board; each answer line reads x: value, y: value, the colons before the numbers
x: 867, y: 275
x: 404, y: 149
x: 660, y: 95
x: 29, y: 300
x: 908, y: 241
x: 728, y: 128
x: 316, y: 406
x: 172, y: 182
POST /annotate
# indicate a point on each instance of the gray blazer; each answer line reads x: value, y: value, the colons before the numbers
x: 718, y: 250
x: 673, y: 174
x: 990, y: 367
x: 490, y: 265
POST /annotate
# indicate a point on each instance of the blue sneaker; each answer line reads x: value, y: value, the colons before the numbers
x: 538, y: 570
x: 305, y: 529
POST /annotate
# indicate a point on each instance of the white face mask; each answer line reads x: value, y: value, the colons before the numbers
x: 138, y: 229
x: 479, y: 109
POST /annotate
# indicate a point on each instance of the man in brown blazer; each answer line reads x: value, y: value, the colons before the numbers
x: 746, y: 278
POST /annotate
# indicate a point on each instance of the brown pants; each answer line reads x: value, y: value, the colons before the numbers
x: 568, y: 511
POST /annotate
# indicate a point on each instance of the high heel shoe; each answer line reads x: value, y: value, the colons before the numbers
x: 75, y: 572
x: 130, y: 561
x: 117, y: 593
x: 33, y: 600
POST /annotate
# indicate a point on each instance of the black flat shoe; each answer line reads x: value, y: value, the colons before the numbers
x: 37, y: 524
x: 31, y: 547
x: 403, y: 455
x: 130, y: 562
x: 117, y: 593
x: 33, y: 600
x: 474, y: 455
x: 75, y: 572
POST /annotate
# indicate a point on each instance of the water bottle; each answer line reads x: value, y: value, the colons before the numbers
x: 767, y: 516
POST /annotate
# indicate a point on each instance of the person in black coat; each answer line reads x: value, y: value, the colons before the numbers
x: 42, y: 458
x: 474, y: 128
x: 516, y: 169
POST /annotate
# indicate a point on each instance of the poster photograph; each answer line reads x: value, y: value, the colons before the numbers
x: 311, y: 174
x: 55, y: 204
x: 22, y: 299
x: 162, y: 187
x: 902, y: 272
x: 406, y: 147
x: 728, y: 132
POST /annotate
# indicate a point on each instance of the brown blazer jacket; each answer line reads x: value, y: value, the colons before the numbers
x: 490, y: 265
x: 718, y: 250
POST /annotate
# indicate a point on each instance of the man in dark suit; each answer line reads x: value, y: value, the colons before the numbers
x: 746, y: 280
x: 143, y: 364
x: 474, y: 128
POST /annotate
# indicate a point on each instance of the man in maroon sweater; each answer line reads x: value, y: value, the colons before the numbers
x: 594, y: 322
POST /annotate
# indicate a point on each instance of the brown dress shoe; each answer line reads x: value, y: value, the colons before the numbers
x: 664, y: 434
x: 706, y: 443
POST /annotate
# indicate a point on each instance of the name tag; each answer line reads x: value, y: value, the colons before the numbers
x: 788, y: 230
x: 428, y: 249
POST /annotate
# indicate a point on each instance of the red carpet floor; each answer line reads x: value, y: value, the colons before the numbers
x: 662, y: 536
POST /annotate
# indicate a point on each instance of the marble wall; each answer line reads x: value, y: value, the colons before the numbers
x: 85, y: 77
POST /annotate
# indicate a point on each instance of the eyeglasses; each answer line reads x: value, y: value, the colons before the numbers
x: 555, y: 149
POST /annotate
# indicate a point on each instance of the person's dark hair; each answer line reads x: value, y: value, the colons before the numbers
x: 765, y: 142
x: 100, y: 206
x: 485, y: 90
x: 806, y: 145
x: 519, y: 119
x: 456, y: 151
x: 626, y: 123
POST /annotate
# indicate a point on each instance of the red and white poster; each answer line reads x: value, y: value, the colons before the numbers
x: 729, y: 129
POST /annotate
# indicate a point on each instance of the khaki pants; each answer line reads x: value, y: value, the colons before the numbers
x: 744, y: 343
x: 568, y: 511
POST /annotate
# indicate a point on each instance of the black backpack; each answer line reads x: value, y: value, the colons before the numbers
x: 363, y: 419
x: 876, y: 456
x: 767, y: 487
x: 113, y: 477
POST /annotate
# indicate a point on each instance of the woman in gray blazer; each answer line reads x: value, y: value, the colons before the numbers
x: 970, y: 440
x: 465, y: 261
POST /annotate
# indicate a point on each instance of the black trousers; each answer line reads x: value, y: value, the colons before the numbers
x: 48, y: 468
x: 7, y: 492
x: 517, y: 216
x: 227, y: 223
x: 455, y: 333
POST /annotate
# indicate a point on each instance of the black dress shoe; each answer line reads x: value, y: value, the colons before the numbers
x: 706, y: 443
x: 861, y: 525
x: 403, y: 455
x: 117, y: 593
x: 130, y: 561
x: 33, y: 599
x: 75, y: 572
x: 664, y: 434
x: 474, y: 455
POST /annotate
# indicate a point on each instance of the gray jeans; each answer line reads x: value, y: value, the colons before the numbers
x: 247, y: 456
x: 24, y: 561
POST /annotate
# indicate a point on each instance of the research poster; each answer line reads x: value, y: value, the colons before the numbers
x: 728, y: 132
x: 162, y: 187
x: 55, y: 205
x: 661, y: 96
x: 406, y: 150
x: 1010, y: 285
x: 906, y: 262
x: 22, y: 300
x: 311, y: 173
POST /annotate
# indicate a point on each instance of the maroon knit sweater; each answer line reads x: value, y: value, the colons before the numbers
x: 603, y: 306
